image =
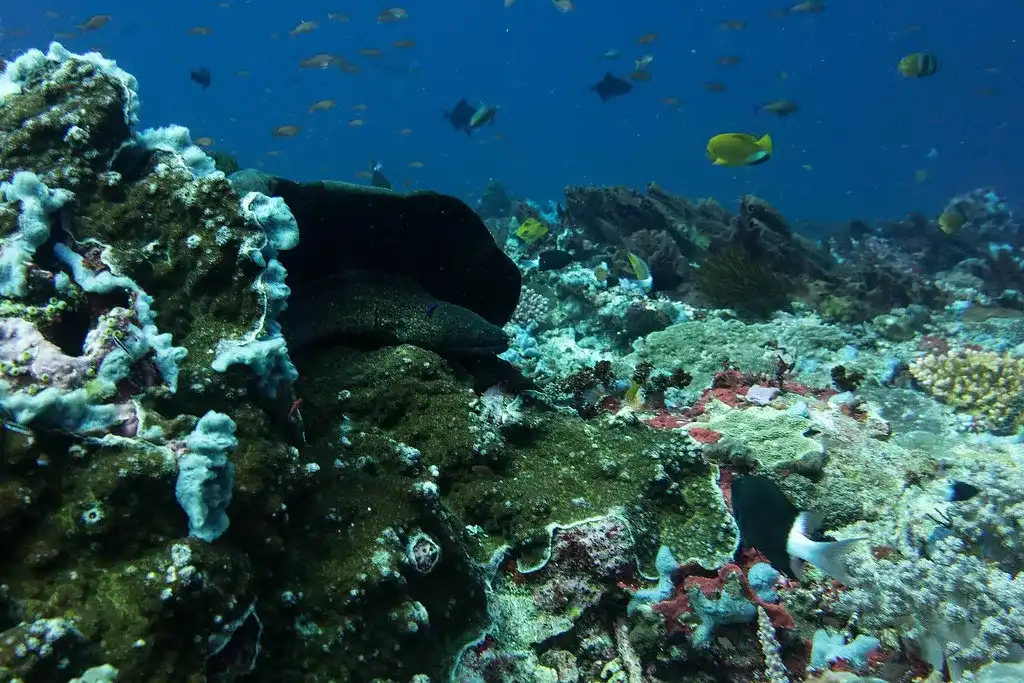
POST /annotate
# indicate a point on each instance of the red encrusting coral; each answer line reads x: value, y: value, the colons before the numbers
x: 665, y: 420
x: 704, y: 435
x: 725, y: 476
x: 676, y: 607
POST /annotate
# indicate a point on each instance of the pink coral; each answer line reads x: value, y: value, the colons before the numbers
x: 23, y: 345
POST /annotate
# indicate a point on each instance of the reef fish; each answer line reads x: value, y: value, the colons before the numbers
x: 201, y: 76
x: 778, y: 107
x: 460, y: 115
x: 739, y: 149
x: 959, y: 491
x: 918, y: 65
x: 377, y: 177
x: 554, y: 259
x: 955, y: 217
x: 483, y: 115
x: 531, y: 230
x: 610, y: 87
x: 769, y: 522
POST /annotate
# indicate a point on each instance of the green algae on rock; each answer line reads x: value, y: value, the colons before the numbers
x: 511, y: 476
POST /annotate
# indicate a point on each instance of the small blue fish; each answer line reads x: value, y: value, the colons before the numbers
x: 430, y: 309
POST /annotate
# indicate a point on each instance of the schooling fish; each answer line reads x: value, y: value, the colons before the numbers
x: 774, y: 526
x: 739, y: 149
x: 611, y: 87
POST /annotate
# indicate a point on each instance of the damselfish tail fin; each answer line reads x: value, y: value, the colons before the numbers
x: 829, y: 557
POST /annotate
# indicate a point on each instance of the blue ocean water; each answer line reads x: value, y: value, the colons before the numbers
x: 865, y: 132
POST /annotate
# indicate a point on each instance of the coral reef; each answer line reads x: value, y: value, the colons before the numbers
x: 180, y: 501
x: 985, y: 385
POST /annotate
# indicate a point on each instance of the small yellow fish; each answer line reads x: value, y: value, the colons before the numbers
x: 955, y: 217
x: 918, y: 65
x: 303, y: 27
x: 392, y: 15
x: 739, y: 149
x: 920, y: 175
x: 640, y: 269
x: 318, y: 61
x: 632, y: 396
x: 94, y: 22
x: 531, y: 230
x: 322, y: 105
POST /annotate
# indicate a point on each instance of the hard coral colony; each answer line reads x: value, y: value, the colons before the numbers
x: 602, y: 469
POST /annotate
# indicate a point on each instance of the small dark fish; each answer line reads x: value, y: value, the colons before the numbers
x: 554, y: 259
x: 202, y: 77
x: 769, y: 522
x: 610, y: 87
x: 960, y: 491
x: 460, y: 115
x: 430, y: 309
x: 377, y: 178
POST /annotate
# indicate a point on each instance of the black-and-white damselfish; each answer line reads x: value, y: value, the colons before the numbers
x: 770, y: 523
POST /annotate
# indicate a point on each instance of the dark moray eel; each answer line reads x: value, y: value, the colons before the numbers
x: 378, y: 268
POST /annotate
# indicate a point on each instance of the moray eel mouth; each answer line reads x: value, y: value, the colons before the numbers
x: 368, y: 312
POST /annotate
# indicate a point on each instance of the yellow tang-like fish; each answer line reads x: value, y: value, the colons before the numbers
x: 739, y: 149
x: 531, y: 230
x: 918, y: 65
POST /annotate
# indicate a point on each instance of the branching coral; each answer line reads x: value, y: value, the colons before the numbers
x: 983, y: 384
x: 955, y: 587
x: 533, y: 307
